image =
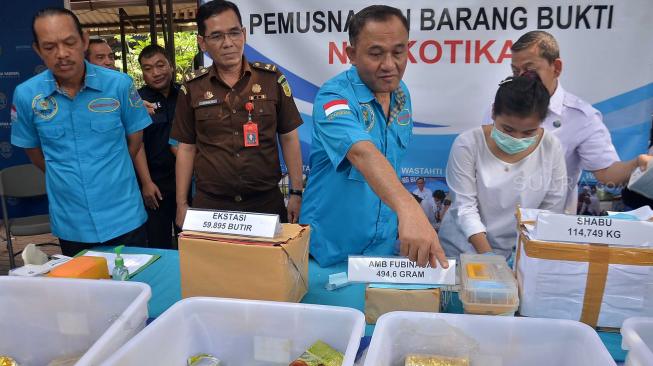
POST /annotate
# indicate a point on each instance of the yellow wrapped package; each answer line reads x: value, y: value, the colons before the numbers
x: 319, y: 354
x: 433, y: 360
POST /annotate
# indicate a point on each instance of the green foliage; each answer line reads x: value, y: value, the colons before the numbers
x: 185, y: 50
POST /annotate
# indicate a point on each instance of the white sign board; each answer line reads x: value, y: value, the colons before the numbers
x: 398, y: 270
x: 458, y: 51
x: 593, y: 229
x: 233, y: 223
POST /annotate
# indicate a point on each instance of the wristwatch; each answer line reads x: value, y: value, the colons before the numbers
x: 296, y: 192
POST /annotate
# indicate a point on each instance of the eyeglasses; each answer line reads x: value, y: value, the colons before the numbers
x: 218, y: 38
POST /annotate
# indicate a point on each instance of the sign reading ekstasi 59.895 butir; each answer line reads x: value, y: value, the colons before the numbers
x: 232, y: 222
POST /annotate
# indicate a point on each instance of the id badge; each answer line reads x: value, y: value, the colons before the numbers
x: 250, y: 134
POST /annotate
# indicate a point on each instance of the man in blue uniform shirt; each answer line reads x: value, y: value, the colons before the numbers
x: 81, y: 124
x: 362, y: 126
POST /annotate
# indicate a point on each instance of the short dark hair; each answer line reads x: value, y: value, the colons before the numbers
x: 212, y: 8
x: 439, y: 194
x: 93, y: 41
x: 97, y: 41
x: 546, y: 43
x: 375, y: 13
x: 522, y: 96
x: 418, y: 179
x: 151, y: 50
x: 51, y: 12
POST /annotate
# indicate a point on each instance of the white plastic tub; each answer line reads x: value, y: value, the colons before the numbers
x: 242, y: 333
x: 43, y: 319
x: 499, y: 341
x: 637, y: 338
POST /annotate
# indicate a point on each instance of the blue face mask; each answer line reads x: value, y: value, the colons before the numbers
x: 511, y: 145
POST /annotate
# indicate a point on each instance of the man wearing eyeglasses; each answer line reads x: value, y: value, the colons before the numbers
x: 227, y: 120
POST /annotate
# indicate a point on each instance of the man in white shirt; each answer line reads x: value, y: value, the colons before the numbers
x: 595, y: 204
x: 579, y: 126
x: 421, y: 191
x: 438, y: 201
x: 428, y: 206
x: 427, y: 203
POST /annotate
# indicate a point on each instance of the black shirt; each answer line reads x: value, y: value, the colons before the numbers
x: 635, y: 200
x: 160, y: 160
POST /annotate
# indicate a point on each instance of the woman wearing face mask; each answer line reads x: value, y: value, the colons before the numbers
x: 494, y: 168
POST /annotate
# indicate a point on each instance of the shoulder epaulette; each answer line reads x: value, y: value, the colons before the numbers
x: 264, y: 66
x: 196, y: 73
x: 575, y: 102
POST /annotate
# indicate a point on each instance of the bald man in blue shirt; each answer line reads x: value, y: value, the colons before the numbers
x: 362, y: 121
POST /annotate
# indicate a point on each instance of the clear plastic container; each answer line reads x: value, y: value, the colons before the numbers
x: 488, y: 285
x: 637, y: 333
x: 242, y: 333
x: 45, y: 319
x: 486, y: 340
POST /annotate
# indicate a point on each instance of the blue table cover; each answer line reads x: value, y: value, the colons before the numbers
x: 164, y: 279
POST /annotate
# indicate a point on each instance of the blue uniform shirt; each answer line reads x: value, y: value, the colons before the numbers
x: 345, y: 214
x: 90, y: 179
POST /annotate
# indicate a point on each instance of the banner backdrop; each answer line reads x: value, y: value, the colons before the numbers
x: 459, y: 51
x: 18, y: 62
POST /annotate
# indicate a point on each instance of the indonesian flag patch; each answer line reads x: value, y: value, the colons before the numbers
x: 14, y: 113
x: 335, y: 106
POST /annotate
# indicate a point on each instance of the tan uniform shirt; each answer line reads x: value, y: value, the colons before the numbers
x: 211, y: 115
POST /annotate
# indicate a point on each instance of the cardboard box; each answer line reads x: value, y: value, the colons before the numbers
x: 379, y: 301
x: 597, y: 284
x: 245, y: 268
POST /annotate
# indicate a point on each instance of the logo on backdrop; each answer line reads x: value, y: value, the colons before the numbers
x: 3, y: 101
x: 6, y: 150
x: 39, y: 69
x: 9, y: 74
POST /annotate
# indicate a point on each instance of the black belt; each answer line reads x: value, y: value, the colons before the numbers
x: 240, y: 197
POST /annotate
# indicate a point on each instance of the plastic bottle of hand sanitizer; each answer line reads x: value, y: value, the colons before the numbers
x: 120, y: 272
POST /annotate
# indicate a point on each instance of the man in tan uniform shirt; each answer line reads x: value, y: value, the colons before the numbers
x: 227, y: 120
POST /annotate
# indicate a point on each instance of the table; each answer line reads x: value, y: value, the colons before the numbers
x: 164, y: 278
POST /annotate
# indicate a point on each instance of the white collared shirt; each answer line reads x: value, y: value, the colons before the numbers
x: 486, y: 191
x: 585, y: 140
x: 425, y: 194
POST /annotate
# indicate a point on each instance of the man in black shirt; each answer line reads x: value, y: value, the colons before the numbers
x: 155, y: 163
